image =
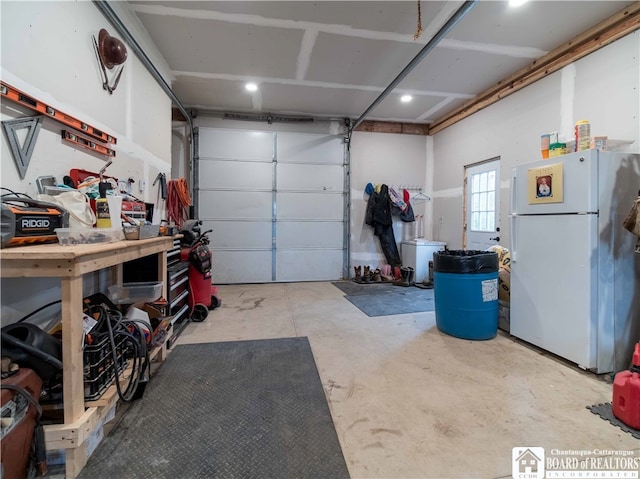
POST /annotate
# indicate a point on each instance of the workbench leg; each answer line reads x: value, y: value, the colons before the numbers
x: 162, y: 354
x: 162, y: 273
x: 117, y: 274
x: 76, y: 459
x: 72, y: 363
x: 164, y: 277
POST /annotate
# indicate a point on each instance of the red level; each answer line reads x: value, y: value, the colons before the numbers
x: 87, y: 144
x: 17, y: 96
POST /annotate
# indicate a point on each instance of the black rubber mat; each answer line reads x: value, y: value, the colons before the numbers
x: 242, y: 409
x: 383, y: 299
x: 351, y: 288
x: 605, y: 411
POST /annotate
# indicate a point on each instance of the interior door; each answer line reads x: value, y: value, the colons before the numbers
x: 482, y: 205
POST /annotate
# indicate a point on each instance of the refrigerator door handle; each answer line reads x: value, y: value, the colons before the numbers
x: 514, y: 251
x: 514, y: 176
x: 512, y: 216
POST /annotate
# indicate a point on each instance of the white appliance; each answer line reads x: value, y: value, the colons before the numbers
x: 417, y: 253
x: 575, y: 279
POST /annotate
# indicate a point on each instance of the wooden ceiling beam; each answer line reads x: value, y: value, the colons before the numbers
x: 176, y: 115
x: 615, y: 27
x: 373, y: 126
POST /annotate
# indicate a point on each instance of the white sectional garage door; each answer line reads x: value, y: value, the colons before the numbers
x: 275, y: 203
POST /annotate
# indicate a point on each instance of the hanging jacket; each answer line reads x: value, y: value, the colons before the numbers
x: 378, y: 212
x: 382, y: 208
x: 378, y: 215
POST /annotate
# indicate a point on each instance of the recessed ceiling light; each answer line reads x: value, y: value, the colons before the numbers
x: 517, y: 3
x: 406, y: 98
x: 251, y: 87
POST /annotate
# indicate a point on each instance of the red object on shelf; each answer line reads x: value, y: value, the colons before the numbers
x: 79, y: 176
x: 136, y: 210
x: 626, y: 393
x: 133, y: 209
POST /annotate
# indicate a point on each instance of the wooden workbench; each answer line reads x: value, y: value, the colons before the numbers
x: 70, y: 263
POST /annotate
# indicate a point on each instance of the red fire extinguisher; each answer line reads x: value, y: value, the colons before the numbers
x: 626, y: 393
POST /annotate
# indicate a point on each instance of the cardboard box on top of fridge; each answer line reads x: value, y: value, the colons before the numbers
x: 621, y: 146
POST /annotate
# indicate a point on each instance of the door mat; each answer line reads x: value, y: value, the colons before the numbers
x: 386, y: 299
x: 605, y: 411
x: 351, y: 288
x: 240, y: 409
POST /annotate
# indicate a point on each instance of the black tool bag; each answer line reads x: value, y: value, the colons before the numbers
x: 200, y: 258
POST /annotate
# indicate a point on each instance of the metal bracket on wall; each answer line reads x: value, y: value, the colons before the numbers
x: 22, y: 154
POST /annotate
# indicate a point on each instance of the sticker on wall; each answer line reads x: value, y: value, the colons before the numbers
x: 545, y: 184
x: 111, y: 54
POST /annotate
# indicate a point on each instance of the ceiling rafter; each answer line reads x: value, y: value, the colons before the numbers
x: 615, y: 27
x: 373, y: 126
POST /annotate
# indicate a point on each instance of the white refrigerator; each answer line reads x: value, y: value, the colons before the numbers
x: 575, y: 279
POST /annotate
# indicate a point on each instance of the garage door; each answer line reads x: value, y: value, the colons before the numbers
x: 275, y: 203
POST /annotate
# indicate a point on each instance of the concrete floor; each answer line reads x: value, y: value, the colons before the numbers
x: 409, y: 401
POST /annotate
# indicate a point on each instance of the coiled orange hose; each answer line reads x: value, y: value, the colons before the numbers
x: 178, y: 201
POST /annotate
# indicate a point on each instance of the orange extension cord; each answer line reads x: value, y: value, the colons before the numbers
x: 178, y: 201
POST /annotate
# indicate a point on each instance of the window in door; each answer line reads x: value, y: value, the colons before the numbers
x: 482, y: 200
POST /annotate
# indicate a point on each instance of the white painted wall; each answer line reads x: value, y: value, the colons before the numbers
x: 602, y: 87
x: 47, y: 52
x: 391, y: 159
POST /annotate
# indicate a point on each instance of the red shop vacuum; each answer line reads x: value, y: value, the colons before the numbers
x: 194, y: 249
x: 626, y: 393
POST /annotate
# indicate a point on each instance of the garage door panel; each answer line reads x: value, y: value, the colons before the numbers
x: 307, y: 234
x: 239, y: 234
x: 308, y: 265
x: 310, y: 177
x: 303, y: 148
x: 216, y: 174
x: 317, y: 206
x: 235, y: 204
x: 235, y: 181
x: 241, y: 267
x: 238, y: 145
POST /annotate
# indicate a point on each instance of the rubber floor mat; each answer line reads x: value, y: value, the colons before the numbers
x: 241, y: 409
x: 351, y: 288
x: 385, y: 299
x: 605, y: 411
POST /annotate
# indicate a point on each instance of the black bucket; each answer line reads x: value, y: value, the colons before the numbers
x: 30, y: 347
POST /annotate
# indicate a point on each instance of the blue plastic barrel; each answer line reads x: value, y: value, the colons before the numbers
x: 466, y: 293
